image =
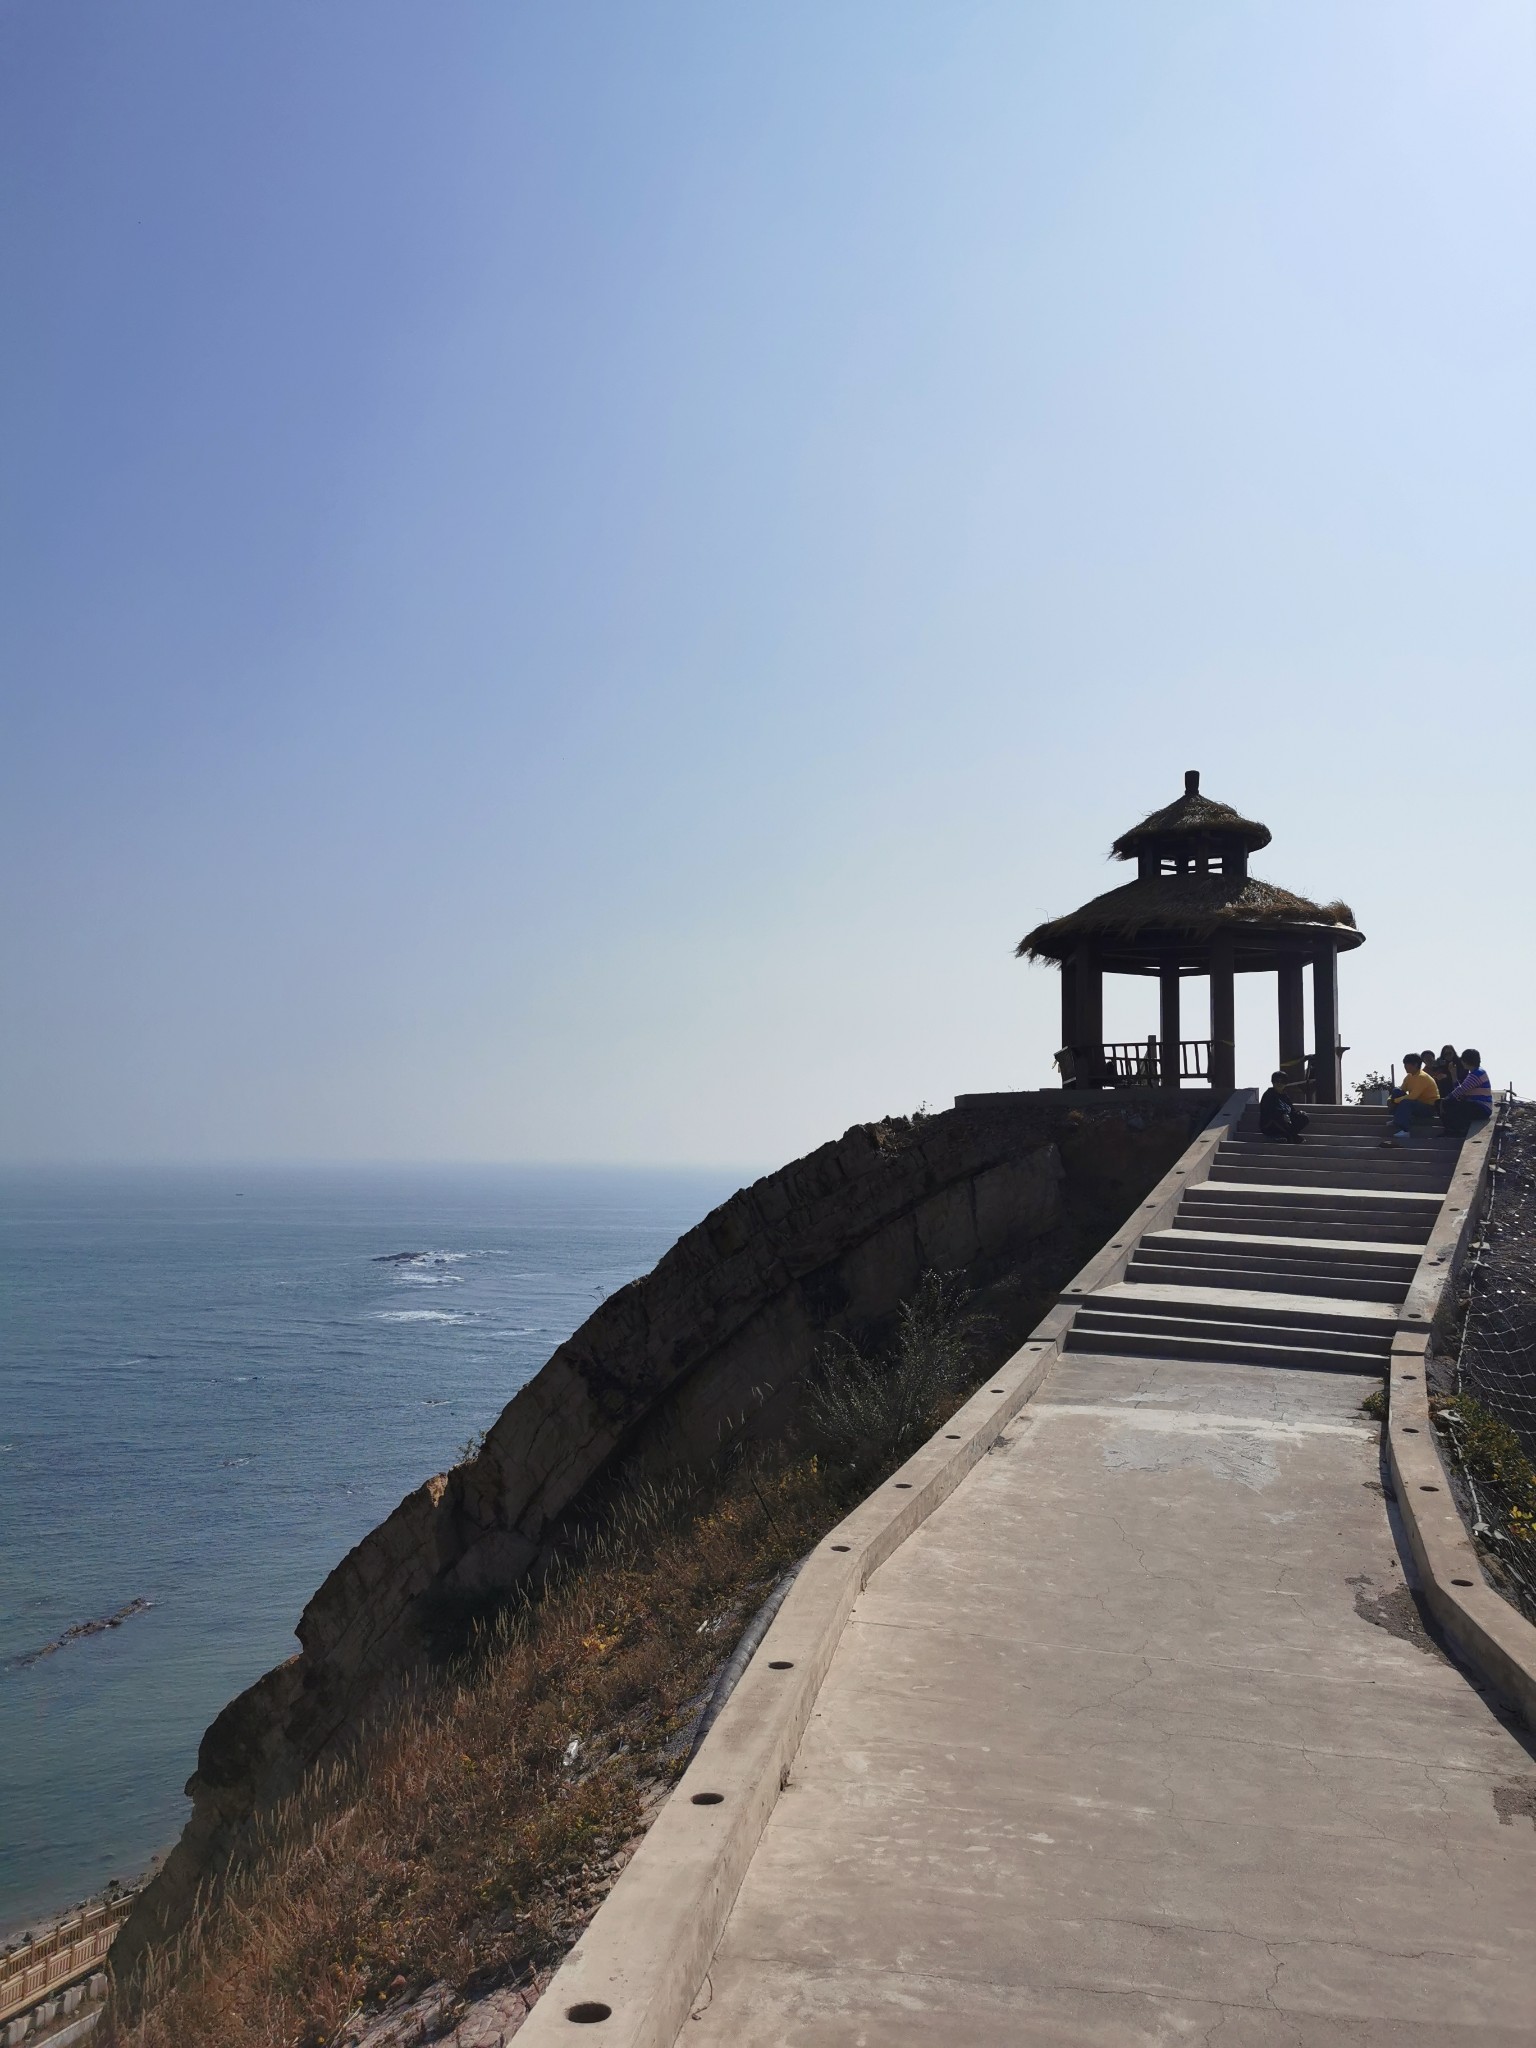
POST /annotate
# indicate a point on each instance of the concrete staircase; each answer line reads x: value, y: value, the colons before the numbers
x: 1289, y: 1255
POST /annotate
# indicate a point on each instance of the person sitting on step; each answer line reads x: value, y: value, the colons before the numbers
x: 1471, y: 1100
x: 1413, y: 1103
x: 1443, y: 1068
x: 1279, y: 1118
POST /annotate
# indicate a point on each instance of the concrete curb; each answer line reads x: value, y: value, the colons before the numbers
x: 1498, y: 1643
x: 637, y: 1970
x: 638, y: 1967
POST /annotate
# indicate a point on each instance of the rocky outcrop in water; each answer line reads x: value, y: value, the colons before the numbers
x: 1010, y: 1191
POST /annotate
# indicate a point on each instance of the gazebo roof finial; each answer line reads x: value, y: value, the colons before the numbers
x: 1191, y: 819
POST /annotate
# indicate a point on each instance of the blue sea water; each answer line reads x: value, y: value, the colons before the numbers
x: 210, y: 1388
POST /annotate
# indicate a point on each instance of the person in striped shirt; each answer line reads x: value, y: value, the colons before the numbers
x: 1471, y: 1101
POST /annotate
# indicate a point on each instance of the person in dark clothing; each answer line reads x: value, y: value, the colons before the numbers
x: 1279, y: 1118
x: 1447, y: 1072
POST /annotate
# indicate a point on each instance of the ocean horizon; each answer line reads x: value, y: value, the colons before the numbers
x: 216, y: 1380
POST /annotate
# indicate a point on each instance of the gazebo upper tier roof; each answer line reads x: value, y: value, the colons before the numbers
x: 1144, y: 921
x: 1191, y: 820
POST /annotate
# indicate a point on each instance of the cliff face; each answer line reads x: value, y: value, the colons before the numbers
x: 1010, y: 1191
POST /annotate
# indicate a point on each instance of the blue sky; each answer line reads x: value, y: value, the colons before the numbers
x: 573, y: 576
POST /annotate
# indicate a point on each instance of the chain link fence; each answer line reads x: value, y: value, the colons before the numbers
x: 1489, y: 1423
x: 1496, y: 1356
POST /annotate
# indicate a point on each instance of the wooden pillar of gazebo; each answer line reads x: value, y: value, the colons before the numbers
x: 1223, y: 1015
x: 1090, y: 1010
x: 1069, y: 1031
x: 1292, y: 995
x: 1328, y: 1084
x: 1168, y: 1021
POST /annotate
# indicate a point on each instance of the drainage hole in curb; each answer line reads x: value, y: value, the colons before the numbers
x: 1408, y: 1377
x: 1461, y: 1582
x: 780, y: 1664
x: 1409, y: 1430
x: 589, y: 2011
x: 903, y: 1486
x: 842, y: 1546
x: 709, y: 1799
x: 997, y: 1390
x: 1429, y: 1489
x: 953, y: 1437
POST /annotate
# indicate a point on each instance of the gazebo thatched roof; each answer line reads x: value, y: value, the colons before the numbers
x: 1192, y: 907
x: 1192, y: 817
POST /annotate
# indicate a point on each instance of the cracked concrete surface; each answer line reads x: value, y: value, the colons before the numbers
x: 1117, y: 1750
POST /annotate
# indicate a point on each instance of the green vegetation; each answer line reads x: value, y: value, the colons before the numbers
x: 868, y: 1411
x: 1493, y: 1459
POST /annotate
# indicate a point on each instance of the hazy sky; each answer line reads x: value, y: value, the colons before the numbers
x: 574, y: 576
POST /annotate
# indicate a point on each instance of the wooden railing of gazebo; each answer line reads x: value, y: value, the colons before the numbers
x: 1132, y: 1063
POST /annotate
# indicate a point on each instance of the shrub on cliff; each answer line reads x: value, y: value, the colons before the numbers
x: 868, y: 1409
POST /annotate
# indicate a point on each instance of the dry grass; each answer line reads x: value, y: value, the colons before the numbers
x: 478, y: 1826
x: 475, y: 1829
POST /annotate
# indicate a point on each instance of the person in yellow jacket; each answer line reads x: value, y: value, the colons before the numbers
x: 1412, y: 1103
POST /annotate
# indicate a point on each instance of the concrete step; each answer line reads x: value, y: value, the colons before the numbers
x: 1364, y: 1320
x: 1213, y: 1344
x: 1285, y: 1180
x: 1231, y: 1188
x: 1344, y: 1141
x: 1249, y: 1269
x: 1248, y: 1220
x: 1280, y: 1260
x: 1344, y: 1152
x: 1387, y: 1171
x: 1248, y: 1225
x: 1420, y: 1147
x: 1399, y: 1258
x: 1380, y: 1201
x: 1369, y: 1212
x: 1247, y: 1325
x: 1324, y: 1252
x: 1363, y: 1218
x: 1174, y: 1272
x: 1344, y: 1116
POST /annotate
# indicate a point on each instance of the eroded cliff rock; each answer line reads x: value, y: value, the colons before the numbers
x: 1010, y: 1191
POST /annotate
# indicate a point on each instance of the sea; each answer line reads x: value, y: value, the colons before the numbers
x: 213, y: 1382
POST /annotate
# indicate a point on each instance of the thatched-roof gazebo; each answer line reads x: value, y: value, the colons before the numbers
x: 1195, y: 909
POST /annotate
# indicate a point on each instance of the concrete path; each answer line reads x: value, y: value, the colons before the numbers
x: 1139, y: 1740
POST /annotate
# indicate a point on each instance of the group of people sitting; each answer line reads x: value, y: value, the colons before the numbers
x: 1449, y: 1089
x: 1452, y: 1091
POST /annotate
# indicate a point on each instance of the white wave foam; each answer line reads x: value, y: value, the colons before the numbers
x: 422, y: 1315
